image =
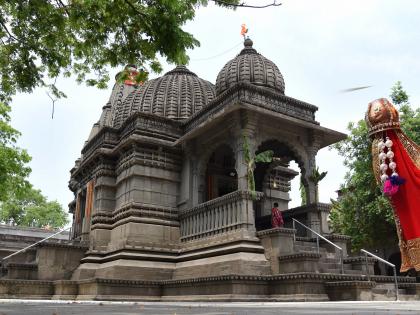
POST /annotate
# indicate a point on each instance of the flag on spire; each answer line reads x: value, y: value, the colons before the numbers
x: 244, y: 30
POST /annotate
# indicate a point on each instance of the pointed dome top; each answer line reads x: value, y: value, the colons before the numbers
x: 251, y: 67
x: 181, y: 69
x: 177, y: 95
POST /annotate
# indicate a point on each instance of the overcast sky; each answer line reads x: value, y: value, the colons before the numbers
x: 320, y: 47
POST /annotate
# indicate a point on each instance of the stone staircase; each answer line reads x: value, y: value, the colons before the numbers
x: 357, y: 284
x: 20, y: 266
x: 51, y: 260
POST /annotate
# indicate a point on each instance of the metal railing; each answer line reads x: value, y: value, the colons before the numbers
x: 385, y: 262
x: 318, y: 236
x: 32, y: 245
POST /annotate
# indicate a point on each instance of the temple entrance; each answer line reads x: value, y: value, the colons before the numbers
x: 274, y: 180
x: 221, y: 176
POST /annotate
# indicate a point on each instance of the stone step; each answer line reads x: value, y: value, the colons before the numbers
x: 309, y: 249
x: 331, y: 260
x: 338, y: 271
x: 389, y: 280
x: 387, y: 294
x: 25, y: 271
x: 334, y: 265
x: 306, y: 243
x: 401, y: 297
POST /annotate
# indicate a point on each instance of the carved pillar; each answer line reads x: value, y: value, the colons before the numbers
x: 311, y: 150
x: 88, y: 210
x: 198, y: 174
x: 244, y: 127
x: 103, y: 204
x: 314, y: 218
x: 187, y: 178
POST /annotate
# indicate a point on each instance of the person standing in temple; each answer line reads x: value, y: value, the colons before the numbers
x: 276, y: 216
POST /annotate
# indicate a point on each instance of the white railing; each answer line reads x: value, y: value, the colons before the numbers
x: 319, y: 236
x: 385, y: 262
x: 229, y: 212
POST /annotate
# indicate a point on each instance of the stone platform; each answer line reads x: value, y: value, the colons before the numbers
x: 298, y: 271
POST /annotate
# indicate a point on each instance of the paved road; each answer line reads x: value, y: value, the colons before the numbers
x: 20, y: 307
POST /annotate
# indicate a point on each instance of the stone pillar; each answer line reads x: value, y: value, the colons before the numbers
x: 310, y: 187
x: 311, y: 150
x: 103, y: 206
x: 241, y: 164
x: 186, y: 184
x: 245, y: 126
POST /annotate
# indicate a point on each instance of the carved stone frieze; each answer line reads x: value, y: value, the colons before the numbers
x: 247, y: 93
x: 133, y: 209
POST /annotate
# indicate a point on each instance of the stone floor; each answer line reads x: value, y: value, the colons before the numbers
x: 28, y: 307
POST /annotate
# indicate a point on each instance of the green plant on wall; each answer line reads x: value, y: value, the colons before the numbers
x: 262, y: 157
x: 316, y: 177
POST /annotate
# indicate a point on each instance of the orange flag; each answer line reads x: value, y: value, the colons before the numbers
x: 244, y: 30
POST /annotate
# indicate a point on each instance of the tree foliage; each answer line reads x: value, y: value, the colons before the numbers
x: 31, y: 208
x: 362, y: 212
x: 43, y: 39
x: 20, y: 203
x: 316, y: 177
x: 13, y: 160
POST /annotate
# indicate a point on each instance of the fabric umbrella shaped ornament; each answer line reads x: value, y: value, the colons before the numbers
x: 396, y: 165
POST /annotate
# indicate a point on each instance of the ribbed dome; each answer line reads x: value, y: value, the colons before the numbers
x: 249, y: 66
x: 176, y: 95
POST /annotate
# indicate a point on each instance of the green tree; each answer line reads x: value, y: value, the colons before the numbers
x: 409, y: 117
x: 362, y: 212
x: 20, y: 203
x: 31, y: 208
x: 13, y: 160
x: 42, y: 39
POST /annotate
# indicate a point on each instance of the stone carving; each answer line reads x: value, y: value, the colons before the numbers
x: 250, y: 66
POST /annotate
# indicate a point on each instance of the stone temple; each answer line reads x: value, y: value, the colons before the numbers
x: 163, y: 209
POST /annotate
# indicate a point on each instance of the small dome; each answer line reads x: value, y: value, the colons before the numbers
x: 177, y: 95
x: 251, y: 67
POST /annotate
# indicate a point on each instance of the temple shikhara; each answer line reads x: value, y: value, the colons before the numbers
x: 163, y: 208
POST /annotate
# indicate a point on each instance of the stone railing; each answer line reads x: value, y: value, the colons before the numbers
x: 229, y: 212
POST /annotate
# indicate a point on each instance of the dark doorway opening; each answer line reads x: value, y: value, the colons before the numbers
x: 221, y: 176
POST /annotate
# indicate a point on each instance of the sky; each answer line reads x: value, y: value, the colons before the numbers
x: 320, y: 46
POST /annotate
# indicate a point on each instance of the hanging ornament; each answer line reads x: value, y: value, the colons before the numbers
x: 384, y: 177
x: 390, y: 154
x: 382, y: 159
x: 390, y: 183
x: 381, y: 145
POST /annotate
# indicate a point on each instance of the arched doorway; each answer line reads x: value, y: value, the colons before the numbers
x: 274, y: 179
x: 221, y: 177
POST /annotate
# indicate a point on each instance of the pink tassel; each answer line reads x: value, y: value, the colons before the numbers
x: 389, y: 188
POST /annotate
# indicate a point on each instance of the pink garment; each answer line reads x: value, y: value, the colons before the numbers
x: 276, y: 218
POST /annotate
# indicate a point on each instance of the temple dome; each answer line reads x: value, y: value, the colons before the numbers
x: 251, y: 67
x: 177, y: 95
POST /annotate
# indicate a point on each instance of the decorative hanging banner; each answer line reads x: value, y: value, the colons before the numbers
x: 396, y: 165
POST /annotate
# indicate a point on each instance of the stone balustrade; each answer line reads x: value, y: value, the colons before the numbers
x: 229, y: 212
